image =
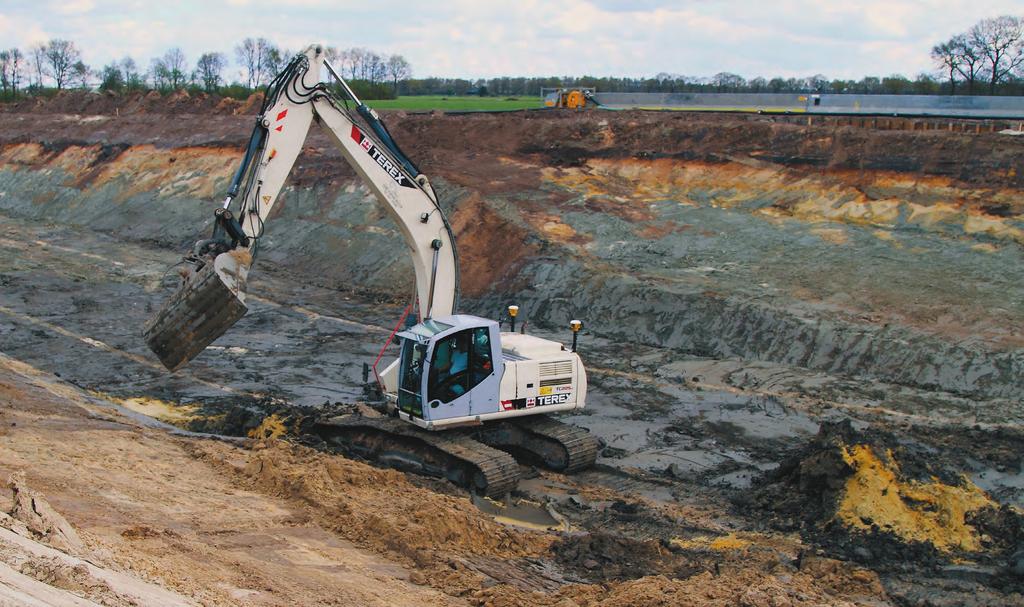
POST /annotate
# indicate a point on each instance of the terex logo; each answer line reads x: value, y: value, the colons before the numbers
x: 385, y: 163
x: 554, y: 399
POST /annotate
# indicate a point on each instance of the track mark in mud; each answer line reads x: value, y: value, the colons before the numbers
x: 310, y: 314
x: 802, y: 400
x: 99, y: 345
x: 313, y: 315
x: 10, y: 244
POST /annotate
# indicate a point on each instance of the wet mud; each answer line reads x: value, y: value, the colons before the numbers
x: 763, y: 339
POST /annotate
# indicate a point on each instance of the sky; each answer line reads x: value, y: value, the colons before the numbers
x: 482, y: 39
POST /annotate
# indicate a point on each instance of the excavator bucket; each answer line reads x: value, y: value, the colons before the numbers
x: 209, y: 301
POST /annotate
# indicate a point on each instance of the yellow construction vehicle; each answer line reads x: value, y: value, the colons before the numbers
x: 573, y: 99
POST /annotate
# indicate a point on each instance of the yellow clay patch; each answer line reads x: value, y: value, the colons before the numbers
x: 722, y: 543
x: 992, y: 226
x: 155, y: 408
x: 558, y: 230
x: 924, y: 512
x: 271, y: 427
x: 833, y: 235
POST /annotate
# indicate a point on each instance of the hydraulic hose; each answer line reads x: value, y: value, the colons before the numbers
x: 259, y: 134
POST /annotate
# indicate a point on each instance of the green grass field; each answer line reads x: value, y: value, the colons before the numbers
x: 456, y: 104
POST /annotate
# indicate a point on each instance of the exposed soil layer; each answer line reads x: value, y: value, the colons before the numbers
x: 743, y: 280
x: 149, y: 102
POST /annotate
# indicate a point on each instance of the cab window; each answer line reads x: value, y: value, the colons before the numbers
x: 461, y: 361
x: 482, y: 365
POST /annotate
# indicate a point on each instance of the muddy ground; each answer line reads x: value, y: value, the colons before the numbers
x: 744, y: 281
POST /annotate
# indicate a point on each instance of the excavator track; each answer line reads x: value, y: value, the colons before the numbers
x: 555, y: 445
x: 452, y: 454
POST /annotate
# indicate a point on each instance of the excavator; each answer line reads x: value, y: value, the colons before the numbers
x: 464, y: 398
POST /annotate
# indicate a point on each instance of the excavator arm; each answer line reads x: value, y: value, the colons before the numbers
x: 212, y: 296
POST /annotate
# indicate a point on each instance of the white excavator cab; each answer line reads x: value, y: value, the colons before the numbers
x: 462, y: 370
x: 450, y: 369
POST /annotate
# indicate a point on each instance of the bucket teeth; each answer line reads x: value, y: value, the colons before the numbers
x: 206, y: 305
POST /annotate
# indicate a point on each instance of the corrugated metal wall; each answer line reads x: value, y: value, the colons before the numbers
x: 905, y: 105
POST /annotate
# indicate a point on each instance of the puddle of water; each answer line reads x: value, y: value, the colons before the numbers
x: 521, y: 513
x: 154, y: 408
x: 1010, y: 485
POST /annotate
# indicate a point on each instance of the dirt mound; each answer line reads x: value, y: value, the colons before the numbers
x: 148, y: 102
x: 835, y: 585
x: 600, y: 556
x: 375, y: 507
x: 867, y: 497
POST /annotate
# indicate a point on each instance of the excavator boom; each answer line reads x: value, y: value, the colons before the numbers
x: 211, y: 297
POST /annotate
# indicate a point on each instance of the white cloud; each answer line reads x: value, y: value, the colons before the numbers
x: 72, y: 7
x: 533, y: 37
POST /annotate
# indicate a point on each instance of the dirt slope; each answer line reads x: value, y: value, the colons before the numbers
x: 169, y: 519
x: 149, y: 505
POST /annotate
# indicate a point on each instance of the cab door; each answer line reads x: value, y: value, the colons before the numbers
x: 462, y: 380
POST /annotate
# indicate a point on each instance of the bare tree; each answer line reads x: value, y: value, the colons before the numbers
x: 209, y: 69
x: 970, y: 60
x: 346, y: 62
x: 1000, y: 43
x: 333, y: 54
x: 133, y: 79
x: 160, y: 73
x: 817, y: 83
x: 5, y: 70
x: 177, y: 67
x: 252, y: 54
x: 376, y: 68
x: 249, y: 58
x: 274, y: 60
x: 948, y: 58
x: 61, y: 57
x: 17, y: 69
x: 357, y: 63
x: 398, y: 69
x: 169, y: 71
x: 37, y: 55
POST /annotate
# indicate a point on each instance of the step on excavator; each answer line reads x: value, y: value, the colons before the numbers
x: 464, y: 398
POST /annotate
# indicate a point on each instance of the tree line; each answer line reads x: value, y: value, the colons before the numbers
x: 986, y: 59
x: 57, y: 65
